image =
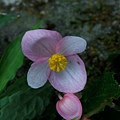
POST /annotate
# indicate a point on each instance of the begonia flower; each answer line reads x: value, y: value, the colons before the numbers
x: 55, y: 58
x: 69, y: 107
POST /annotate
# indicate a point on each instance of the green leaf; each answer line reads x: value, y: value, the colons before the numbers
x: 26, y: 104
x: 50, y: 112
x: 19, y: 85
x: 4, y: 18
x: 12, y: 60
x: 100, y: 91
x: 37, y: 25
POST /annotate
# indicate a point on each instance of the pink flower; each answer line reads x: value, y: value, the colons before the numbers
x: 69, y: 107
x: 54, y: 59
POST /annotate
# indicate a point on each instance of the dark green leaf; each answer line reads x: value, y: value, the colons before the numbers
x: 19, y: 85
x: 50, y: 112
x: 101, y: 90
x: 26, y: 104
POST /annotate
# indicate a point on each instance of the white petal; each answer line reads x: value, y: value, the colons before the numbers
x: 38, y: 74
x: 71, y: 45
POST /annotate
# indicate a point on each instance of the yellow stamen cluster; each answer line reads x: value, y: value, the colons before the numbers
x: 57, y: 62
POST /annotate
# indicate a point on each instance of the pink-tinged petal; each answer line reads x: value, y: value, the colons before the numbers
x: 72, y: 79
x: 39, y: 43
x: 69, y: 107
x: 71, y: 45
x: 38, y: 74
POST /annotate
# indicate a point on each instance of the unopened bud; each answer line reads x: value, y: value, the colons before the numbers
x: 69, y: 106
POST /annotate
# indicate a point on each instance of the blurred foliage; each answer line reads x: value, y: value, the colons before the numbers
x: 5, y: 18
x: 113, y: 56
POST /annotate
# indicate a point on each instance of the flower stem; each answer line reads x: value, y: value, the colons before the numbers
x: 59, y: 96
x: 96, y: 110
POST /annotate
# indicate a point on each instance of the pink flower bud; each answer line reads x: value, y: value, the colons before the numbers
x: 69, y: 106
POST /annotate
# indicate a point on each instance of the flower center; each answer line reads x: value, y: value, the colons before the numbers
x: 57, y: 62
